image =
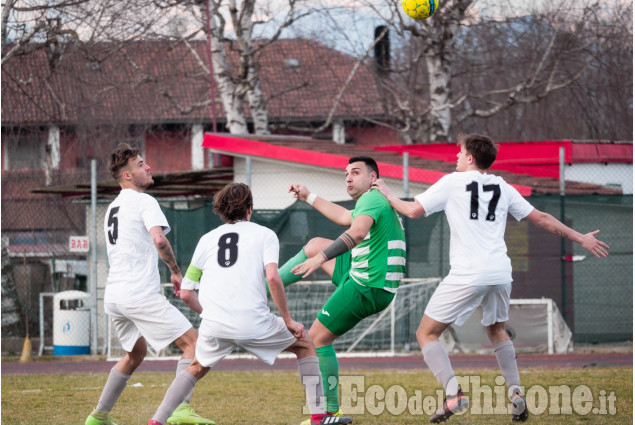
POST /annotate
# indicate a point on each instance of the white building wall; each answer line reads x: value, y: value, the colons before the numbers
x: 612, y: 174
x: 270, y: 182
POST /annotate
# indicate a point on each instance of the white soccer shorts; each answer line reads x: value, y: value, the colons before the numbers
x: 210, y: 349
x: 154, y: 318
x: 452, y: 303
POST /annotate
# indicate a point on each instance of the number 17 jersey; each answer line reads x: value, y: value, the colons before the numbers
x: 476, y: 206
x: 229, y: 268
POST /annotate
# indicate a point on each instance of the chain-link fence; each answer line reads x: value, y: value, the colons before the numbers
x: 36, y: 256
x: 595, y: 296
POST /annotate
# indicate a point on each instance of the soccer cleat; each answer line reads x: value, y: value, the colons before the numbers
x: 184, y: 415
x: 520, y: 413
x: 336, y: 420
x: 91, y: 420
x: 153, y: 422
x: 451, y: 405
x: 336, y: 415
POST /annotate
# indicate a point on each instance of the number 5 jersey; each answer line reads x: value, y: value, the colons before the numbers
x: 229, y: 267
x: 476, y: 206
x: 132, y: 256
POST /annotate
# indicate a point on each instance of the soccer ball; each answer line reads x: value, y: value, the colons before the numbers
x: 420, y: 9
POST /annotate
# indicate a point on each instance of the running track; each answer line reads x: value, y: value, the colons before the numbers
x: 65, y: 365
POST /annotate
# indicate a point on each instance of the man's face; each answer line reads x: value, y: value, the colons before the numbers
x: 462, y: 159
x: 358, y: 179
x: 139, y: 172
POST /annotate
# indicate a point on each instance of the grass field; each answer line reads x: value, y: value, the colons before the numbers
x: 276, y: 397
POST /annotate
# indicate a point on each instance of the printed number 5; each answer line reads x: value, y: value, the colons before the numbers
x: 113, y: 226
x: 491, y: 207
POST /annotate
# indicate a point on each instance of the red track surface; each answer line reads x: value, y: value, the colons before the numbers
x: 459, y: 362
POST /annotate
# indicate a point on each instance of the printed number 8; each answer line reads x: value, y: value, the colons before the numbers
x: 228, y: 249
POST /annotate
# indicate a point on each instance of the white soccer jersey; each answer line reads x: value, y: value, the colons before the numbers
x: 132, y: 256
x: 476, y: 206
x: 230, y: 262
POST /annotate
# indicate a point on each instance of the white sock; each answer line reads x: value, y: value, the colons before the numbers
x: 310, y: 376
x: 438, y: 361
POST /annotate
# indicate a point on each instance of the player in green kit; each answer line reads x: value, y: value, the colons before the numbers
x: 366, y: 264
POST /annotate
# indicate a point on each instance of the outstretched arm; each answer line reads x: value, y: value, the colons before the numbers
x: 167, y: 255
x: 337, y: 214
x: 549, y: 223
x: 412, y: 209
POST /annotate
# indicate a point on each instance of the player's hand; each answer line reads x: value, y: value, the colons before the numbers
x: 380, y: 185
x: 176, y: 283
x: 296, y: 329
x: 594, y: 246
x: 299, y: 191
x: 309, y: 266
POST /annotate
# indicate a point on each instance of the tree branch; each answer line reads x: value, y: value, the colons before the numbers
x: 40, y: 25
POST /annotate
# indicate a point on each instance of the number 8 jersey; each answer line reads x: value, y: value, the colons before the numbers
x: 476, y: 206
x: 229, y: 267
x: 132, y: 256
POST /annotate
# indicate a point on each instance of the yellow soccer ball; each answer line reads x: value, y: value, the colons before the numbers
x: 419, y: 9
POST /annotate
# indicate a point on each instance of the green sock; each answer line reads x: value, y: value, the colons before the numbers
x: 285, y: 271
x: 330, y: 369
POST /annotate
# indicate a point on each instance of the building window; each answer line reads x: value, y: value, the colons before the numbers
x: 24, y: 150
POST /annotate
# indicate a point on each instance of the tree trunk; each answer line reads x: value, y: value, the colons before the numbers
x: 233, y: 102
x: 440, y: 53
x: 249, y: 81
x: 440, y: 117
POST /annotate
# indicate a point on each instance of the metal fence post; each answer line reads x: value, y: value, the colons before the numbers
x: 563, y: 252
x: 248, y: 171
x: 93, y: 249
x: 406, y: 182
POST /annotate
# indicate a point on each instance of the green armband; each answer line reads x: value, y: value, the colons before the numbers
x: 193, y: 273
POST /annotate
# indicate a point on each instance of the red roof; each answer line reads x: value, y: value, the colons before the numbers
x: 234, y: 145
x: 538, y: 159
x: 424, y: 169
x: 25, y: 211
x: 110, y: 83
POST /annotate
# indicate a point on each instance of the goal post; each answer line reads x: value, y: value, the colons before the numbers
x: 386, y: 333
x: 534, y: 325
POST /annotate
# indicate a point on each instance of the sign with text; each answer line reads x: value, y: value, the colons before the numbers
x: 78, y: 244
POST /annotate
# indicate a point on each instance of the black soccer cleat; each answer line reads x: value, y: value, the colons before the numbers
x: 520, y: 413
x: 451, y: 405
x: 336, y: 420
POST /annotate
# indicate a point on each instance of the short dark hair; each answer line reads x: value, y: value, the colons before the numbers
x: 370, y: 163
x: 233, y: 202
x: 119, y: 159
x: 480, y: 147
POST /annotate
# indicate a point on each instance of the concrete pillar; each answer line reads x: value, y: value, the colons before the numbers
x: 198, y: 151
x: 339, y: 132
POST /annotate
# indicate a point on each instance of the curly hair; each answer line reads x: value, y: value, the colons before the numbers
x: 233, y: 202
x: 480, y: 147
x: 119, y: 159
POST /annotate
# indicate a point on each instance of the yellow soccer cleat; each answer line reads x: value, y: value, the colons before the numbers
x: 184, y: 415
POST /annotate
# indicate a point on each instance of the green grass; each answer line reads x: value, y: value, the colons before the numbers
x: 276, y: 397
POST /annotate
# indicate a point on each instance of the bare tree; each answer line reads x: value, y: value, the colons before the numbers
x: 463, y: 64
x: 241, y: 84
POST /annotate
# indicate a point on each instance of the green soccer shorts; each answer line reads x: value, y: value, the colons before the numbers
x: 351, y: 302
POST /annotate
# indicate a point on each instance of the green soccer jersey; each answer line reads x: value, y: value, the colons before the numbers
x: 379, y: 261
